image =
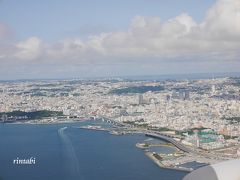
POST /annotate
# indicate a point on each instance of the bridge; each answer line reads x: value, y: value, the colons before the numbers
x: 166, y: 134
x: 171, y: 140
x: 158, y: 135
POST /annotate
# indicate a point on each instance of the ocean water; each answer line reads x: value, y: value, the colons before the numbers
x: 75, y: 154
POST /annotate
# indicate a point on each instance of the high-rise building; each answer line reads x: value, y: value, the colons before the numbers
x: 175, y: 95
x: 140, y: 99
x: 4, y: 118
x: 183, y: 94
x: 186, y: 95
x: 168, y: 97
x: 213, y: 89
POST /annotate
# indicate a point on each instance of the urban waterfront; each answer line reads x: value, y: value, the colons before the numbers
x: 119, y: 90
x: 64, y: 151
x: 199, y: 119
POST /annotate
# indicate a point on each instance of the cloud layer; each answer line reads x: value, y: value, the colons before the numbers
x: 216, y: 38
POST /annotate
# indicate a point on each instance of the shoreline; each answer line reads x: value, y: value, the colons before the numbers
x: 110, y: 131
x: 34, y: 122
x: 148, y: 154
x: 161, y: 165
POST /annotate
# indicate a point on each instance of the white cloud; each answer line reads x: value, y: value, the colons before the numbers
x: 218, y: 36
x: 28, y: 50
x: 222, y: 21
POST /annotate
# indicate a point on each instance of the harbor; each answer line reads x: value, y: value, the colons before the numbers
x: 177, y: 156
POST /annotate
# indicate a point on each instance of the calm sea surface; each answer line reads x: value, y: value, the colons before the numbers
x: 75, y: 154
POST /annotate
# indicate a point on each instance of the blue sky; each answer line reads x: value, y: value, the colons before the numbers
x: 56, y: 19
x: 75, y: 38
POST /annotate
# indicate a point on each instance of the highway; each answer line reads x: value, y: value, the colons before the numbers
x: 158, y: 135
x: 171, y: 140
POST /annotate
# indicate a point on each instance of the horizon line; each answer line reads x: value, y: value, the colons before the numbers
x: 137, y: 77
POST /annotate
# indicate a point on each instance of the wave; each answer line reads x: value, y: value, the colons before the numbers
x: 71, y: 161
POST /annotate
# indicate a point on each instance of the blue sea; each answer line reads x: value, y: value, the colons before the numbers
x: 72, y: 153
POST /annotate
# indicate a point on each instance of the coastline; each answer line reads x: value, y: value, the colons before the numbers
x: 46, y: 121
x: 150, y: 155
x: 161, y: 165
x: 113, y: 131
x: 48, y: 142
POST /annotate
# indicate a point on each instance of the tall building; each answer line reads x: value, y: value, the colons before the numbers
x: 186, y: 95
x: 175, y: 95
x: 4, y: 118
x: 140, y: 99
x: 183, y: 94
x: 196, y: 138
x: 213, y: 89
x: 168, y: 97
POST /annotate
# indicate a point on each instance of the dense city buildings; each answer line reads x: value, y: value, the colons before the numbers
x: 204, y: 113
